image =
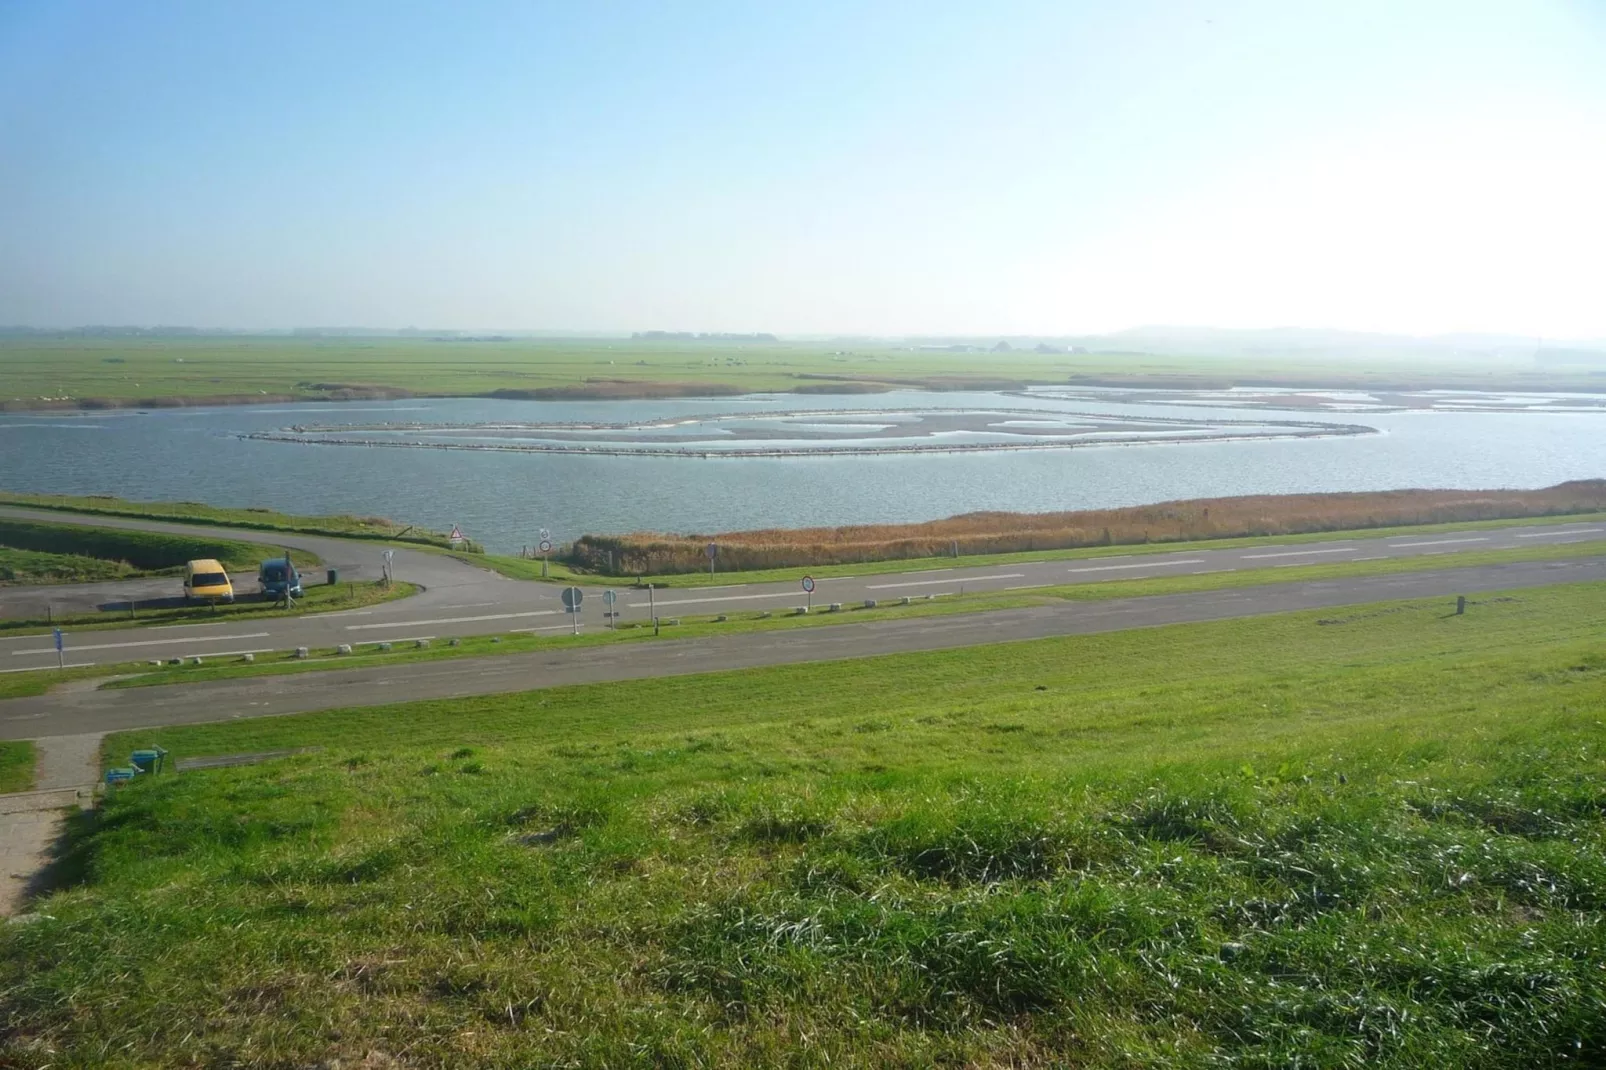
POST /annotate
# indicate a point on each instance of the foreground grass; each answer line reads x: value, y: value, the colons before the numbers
x: 16, y: 765
x: 363, y: 527
x: 1369, y: 838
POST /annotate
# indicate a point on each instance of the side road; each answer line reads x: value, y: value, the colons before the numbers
x: 447, y: 582
x: 113, y: 710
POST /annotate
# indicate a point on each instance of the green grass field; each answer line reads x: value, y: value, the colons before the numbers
x: 16, y: 765
x: 365, y: 527
x: 1368, y: 839
x: 37, y: 567
x: 124, y: 552
x: 149, y: 372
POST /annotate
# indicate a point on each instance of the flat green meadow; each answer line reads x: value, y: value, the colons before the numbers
x: 1361, y: 837
x: 147, y: 372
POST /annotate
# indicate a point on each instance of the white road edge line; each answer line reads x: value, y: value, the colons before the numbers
x: 75, y: 648
x: 41, y: 668
x: 720, y: 598
x: 1559, y: 534
x: 933, y: 583
x: 1433, y: 542
x: 1304, y: 553
x: 227, y: 653
x: 1144, y: 564
x: 452, y: 620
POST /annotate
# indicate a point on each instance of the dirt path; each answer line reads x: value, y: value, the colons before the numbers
x: 31, y: 822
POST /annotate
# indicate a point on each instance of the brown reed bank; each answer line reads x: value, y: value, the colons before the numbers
x: 647, y: 553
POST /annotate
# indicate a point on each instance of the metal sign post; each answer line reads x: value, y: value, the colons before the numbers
x: 608, y: 599
x: 545, y: 546
x: 712, y: 550
x: 572, y: 598
x: 61, y: 662
x: 808, y: 589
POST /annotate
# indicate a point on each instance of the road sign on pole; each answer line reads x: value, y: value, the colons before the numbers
x: 808, y: 589
x: 60, y: 646
x: 712, y: 550
x: 572, y: 598
x: 609, y: 598
x: 545, y: 546
x: 456, y: 535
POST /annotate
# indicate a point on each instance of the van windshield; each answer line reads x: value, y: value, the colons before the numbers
x: 273, y: 573
x: 209, y: 579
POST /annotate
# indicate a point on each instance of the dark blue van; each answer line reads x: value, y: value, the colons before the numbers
x: 276, y: 575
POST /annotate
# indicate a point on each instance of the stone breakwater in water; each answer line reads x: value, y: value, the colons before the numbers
x: 1018, y: 429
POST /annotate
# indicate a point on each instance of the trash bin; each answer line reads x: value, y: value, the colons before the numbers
x: 334, y: 576
x: 149, y: 761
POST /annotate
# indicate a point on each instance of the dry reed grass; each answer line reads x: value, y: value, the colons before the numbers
x: 992, y: 533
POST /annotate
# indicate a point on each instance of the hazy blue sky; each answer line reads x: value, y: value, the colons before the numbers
x: 992, y: 167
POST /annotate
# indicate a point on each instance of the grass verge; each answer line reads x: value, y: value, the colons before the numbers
x: 16, y: 766
x: 1271, y: 842
x: 80, y: 552
x: 350, y: 527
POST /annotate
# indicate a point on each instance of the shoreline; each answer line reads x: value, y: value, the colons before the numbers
x: 806, y: 384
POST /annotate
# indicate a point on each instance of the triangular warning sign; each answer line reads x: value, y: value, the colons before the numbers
x: 457, y: 534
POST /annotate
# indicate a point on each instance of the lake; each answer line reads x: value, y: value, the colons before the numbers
x: 503, y: 498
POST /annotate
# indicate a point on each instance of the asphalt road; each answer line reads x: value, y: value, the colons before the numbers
x: 78, y: 711
x: 461, y: 600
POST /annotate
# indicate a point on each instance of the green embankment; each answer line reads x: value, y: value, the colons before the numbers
x: 363, y: 527
x: 16, y: 765
x: 36, y: 567
x: 79, y: 552
x: 1368, y: 837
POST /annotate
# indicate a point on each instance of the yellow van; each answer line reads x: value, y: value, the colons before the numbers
x: 205, y: 580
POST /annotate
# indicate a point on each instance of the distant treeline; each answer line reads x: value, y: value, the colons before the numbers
x: 994, y: 533
x: 694, y: 336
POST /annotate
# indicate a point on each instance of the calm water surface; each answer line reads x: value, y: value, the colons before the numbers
x: 502, y: 499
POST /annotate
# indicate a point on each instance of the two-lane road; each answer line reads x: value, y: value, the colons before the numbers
x: 463, y: 600
x: 77, y: 711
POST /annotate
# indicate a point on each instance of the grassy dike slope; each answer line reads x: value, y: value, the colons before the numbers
x: 1364, y: 837
x: 81, y: 552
